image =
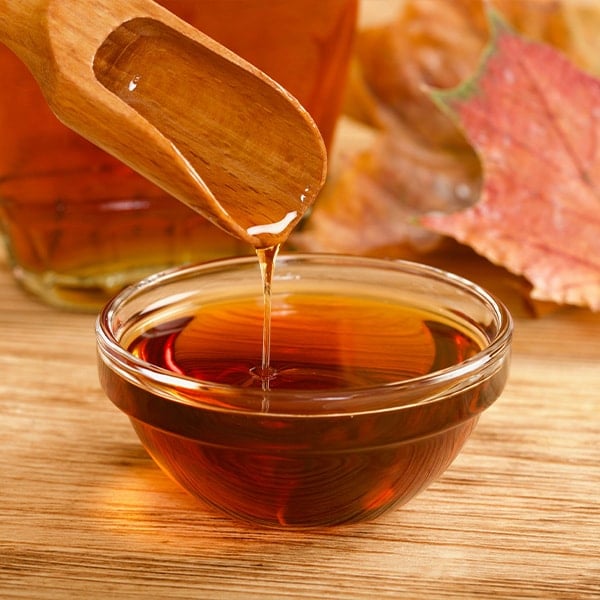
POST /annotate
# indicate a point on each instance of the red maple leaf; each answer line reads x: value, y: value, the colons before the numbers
x: 534, y: 120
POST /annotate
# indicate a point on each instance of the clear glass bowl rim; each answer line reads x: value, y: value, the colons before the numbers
x: 432, y: 387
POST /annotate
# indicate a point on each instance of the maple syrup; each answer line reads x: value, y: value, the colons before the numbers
x: 266, y: 260
x: 316, y: 341
x: 262, y: 457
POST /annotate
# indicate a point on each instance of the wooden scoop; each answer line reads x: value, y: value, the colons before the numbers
x: 182, y: 110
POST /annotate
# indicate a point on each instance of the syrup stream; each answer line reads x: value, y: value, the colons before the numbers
x: 266, y: 261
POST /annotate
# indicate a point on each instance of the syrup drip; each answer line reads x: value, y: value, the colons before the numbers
x: 266, y: 260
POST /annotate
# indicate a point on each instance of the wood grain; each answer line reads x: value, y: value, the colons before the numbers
x: 84, y: 512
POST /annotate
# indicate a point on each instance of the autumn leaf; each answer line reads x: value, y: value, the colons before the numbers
x: 534, y: 120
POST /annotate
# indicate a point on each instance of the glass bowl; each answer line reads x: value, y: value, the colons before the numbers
x: 379, y: 372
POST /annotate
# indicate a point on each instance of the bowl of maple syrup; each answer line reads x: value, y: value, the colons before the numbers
x: 370, y: 379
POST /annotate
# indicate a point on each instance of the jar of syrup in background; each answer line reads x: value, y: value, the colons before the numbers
x: 78, y: 224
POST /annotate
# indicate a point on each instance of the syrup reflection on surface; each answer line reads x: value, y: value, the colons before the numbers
x: 137, y: 497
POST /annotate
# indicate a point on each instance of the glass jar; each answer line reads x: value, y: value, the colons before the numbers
x: 79, y: 225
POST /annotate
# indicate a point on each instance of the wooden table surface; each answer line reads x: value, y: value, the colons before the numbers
x: 84, y: 513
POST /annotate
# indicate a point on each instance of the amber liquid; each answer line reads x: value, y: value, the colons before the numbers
x: 280, y: 466
x: 317, y: 342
